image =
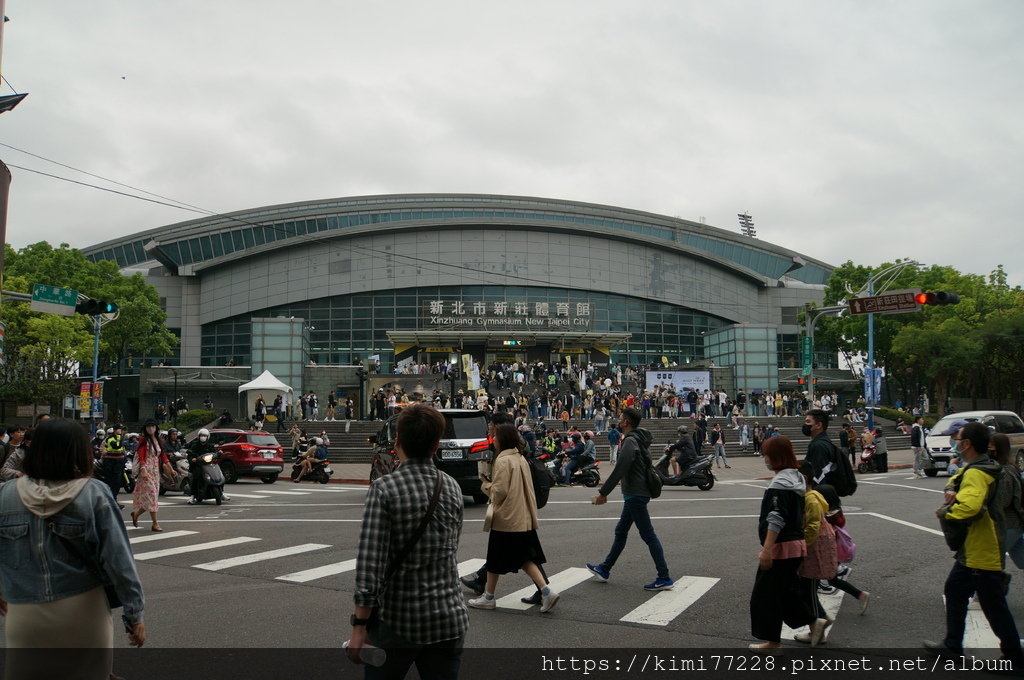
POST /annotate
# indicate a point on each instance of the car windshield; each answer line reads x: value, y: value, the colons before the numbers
x: 472, y: 427
x: 947, y: 423
x: 263, y: 440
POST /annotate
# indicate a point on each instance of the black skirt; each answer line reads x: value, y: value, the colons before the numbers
x: 508, y: 551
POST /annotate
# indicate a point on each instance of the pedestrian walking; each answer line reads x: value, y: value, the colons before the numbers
x: 980, y: 555
x: 407, y: 598
x: 614, y: 437
x: 349, y: 408
x: 821, y: 561
x: 917, y: 443
x: 776, y: 597
x: 837, y: 519
x: 512, y: 521
x: 73, y: 530
x: 149, y: 459
x: 632, y: 466
x: 1011, y: 498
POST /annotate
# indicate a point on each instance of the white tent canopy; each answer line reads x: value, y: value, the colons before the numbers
x: 268, y: 386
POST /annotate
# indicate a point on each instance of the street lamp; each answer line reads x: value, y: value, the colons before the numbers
x: 174, y: 404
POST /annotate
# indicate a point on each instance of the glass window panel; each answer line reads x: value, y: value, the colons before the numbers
x: 248, y: 238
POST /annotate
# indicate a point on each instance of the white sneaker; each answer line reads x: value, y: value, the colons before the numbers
x: 484, y: 603
x: 865, y: 599
x: 550, y: 600
x: 817, y: 631
x: 806, y: 637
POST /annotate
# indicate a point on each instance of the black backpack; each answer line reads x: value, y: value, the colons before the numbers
x: 543, y: 480
x: 841, y: 478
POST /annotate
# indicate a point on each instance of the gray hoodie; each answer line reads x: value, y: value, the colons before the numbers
x: 45, y: 498
x: 633, y: 475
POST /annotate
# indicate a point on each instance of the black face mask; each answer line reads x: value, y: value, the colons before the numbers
x: 806, y: 429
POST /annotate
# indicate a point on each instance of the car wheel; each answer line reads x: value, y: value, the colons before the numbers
x: 479, y: 498
x: 269, y: 479
x: 230, y: 474
x: 931, y: 473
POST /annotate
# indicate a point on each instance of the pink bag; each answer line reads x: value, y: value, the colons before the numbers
x: 846, y: 549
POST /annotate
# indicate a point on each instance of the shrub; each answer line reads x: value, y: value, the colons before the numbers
x: 190, y: 420
x: 908, y: 418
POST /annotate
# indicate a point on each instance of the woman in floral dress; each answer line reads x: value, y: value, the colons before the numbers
x: 149, y: 457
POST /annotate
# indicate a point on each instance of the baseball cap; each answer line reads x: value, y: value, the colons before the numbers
x: 955, y: 427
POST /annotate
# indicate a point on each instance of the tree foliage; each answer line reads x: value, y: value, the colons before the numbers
x: 44, y: 351
x: 972, y: 349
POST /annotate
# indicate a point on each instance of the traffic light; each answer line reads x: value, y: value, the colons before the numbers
x: 941, y: 297
x: 95, y: 307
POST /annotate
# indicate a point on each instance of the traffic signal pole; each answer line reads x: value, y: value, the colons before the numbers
x: 811, y: 316
x: 95, y: 373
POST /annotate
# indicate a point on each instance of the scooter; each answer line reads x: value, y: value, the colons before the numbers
x: 179, y: 463
x: 211, y: 478
x: 589, y: 475
x: 867, y: 459
x: 698, y: 473
x: 320, y: 472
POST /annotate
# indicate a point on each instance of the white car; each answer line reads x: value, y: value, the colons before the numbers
x: 937, y: 444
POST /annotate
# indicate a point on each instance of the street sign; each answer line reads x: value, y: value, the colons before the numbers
x: 54, y: 300
x: 807, y: 346
x: 893, y: 302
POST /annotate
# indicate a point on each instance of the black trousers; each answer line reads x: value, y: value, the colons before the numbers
x: 776, y: 599
x: 113, y: 472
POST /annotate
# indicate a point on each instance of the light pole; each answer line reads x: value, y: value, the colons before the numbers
x: 174, y: 404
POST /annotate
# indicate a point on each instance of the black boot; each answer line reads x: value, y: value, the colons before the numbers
x: 533, y: 599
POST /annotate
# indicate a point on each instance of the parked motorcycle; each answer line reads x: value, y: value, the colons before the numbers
x: 867, y: 459
x: 211, y: 478
x: 697, y: 474
x: 182, y: 483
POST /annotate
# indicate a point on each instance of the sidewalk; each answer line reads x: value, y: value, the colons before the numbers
x: 743, y: 467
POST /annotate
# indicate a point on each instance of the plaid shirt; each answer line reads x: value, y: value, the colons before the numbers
x: 423, y: 601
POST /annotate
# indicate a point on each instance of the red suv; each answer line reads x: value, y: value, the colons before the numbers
x: 248, y: 453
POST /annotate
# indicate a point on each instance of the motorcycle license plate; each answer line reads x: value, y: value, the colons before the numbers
x: 451, y: 454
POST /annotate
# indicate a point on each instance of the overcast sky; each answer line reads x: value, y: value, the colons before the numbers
x: 864, y: 130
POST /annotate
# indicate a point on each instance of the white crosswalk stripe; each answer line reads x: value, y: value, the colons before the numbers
x: 275, y: 492
x: 319, y: 572
x: 196, y: 547
x: 260, y: 556
x: 977, y: 633
x: 666, y: 605
x: 831, y: 602
x: 470, y: 566
x: 561, y: 582
x: 159, y: 536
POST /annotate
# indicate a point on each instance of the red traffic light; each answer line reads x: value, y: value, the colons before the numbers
x: 941, y: 297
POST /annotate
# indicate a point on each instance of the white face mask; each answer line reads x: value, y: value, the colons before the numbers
x: 203, y: 438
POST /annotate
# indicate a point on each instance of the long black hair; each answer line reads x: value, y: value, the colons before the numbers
x: 60, y: 450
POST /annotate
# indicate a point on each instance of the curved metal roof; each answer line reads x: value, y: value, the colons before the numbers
x: 205, y: 242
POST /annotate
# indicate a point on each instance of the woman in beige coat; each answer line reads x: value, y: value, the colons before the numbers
x: 511, y: 520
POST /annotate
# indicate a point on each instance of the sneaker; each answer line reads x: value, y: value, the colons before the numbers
x: 843, y: 571
x: 826, y: 589
x: 225, y: 497
x: 192, y: 501
x: 661, y: 584
x: 864, y: 598
x: 483, y: 603
x: 550, y: 600
x: 532, y: 599
x: 472, y: 584
x: 600, y: 572
x: 817, y: 631
x: 806, y: 637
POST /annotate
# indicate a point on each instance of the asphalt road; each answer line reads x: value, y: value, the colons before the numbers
x: 208, y: 597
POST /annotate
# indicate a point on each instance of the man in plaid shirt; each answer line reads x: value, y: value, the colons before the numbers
x: 420, y: 617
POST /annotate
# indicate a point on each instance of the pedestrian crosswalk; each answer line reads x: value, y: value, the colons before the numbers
x: 262, y: 492
x: 659, y: 609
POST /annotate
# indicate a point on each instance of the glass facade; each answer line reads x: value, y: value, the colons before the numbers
x: 346, y: 327
x: 279, y: 346
x: 265, y: 226
x: 751, y: 351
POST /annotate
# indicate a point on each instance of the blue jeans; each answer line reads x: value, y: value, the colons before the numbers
x: 961, y: 583
x: 634, y: 511
x: 569, y: 467
x: 436, y: 661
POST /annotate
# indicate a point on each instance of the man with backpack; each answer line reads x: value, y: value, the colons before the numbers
x: 830, y: 466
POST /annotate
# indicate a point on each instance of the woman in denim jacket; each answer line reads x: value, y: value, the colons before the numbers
x: 62, y: 540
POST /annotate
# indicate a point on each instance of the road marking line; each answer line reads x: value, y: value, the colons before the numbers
x: 561, y: 582
x: 196, y: 547
x: 319, y: 572
x: 665, y: 606
x: 241, y: 495
x: 260, y: 556
x: 900, y: 521
x: 831, y: 602
x: 159, y: 537
x: 470, y: 566
x: 977, y: 633
x: 286, y: 493
x: 905, y: 486
x: 323, y: 489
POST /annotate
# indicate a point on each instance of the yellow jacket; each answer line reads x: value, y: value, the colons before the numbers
x: 815, y: 507
x: 983, y: 548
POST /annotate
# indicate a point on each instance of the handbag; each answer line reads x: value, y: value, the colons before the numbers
x: 846, y: 549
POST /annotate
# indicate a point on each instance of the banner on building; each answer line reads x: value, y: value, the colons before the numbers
x: 679, y: 381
